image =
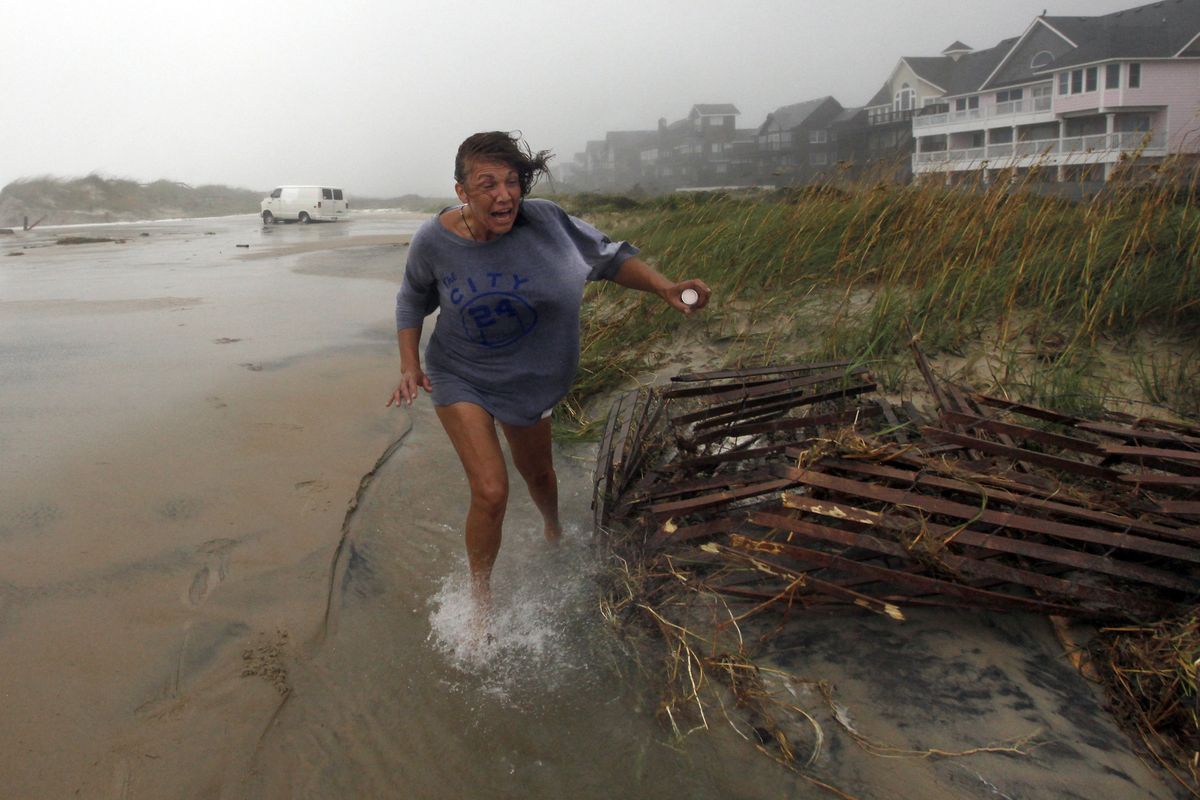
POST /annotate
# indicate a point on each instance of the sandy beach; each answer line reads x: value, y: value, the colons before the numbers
x: 227, y: 571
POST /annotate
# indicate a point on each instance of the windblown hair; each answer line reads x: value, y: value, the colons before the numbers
x: 507, y: 148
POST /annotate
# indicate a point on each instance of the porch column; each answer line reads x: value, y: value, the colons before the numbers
x: 1109, y: 129
x: 1062, y: 134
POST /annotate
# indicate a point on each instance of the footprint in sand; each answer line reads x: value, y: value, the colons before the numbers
x: 215, y: 553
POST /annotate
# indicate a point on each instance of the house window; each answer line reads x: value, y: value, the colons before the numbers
x: 818, y: 136
x: 1112, y: 76
x: 1007, y: 95
x: 965, y: 103
x: 1041, y: 97
x: 818, y: 159
x: 1064, y: 83
x: 1077, y: 81
x: 905, y: 99
x: 1042, y: 60
x: 1135, y: 76
x: 1091, y: 73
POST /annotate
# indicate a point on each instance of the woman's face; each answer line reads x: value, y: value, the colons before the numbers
x: 492, y: 191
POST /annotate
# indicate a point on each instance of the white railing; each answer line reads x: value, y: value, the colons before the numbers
x: 1033, y: 105
x: 1114, y: 144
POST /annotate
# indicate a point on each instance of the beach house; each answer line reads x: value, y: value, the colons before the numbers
x: 1072, y: 96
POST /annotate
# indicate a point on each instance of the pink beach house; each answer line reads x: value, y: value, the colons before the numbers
x: 1074, y: 96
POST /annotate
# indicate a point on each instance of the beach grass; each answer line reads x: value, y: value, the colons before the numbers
x: 1030, y: 293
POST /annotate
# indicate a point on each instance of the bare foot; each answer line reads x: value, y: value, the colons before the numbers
x: 553, y: 533
x: 481, y: 613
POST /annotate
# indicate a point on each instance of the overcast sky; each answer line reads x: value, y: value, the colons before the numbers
x: 376, y: 96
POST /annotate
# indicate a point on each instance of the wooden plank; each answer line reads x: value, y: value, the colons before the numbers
x: 984, y: 568
x: 1023, y: 432
x: 1000, y: 519
x: 1021, y: 454
x: 924, y: 479
x: 789, y: 425
x: 1000, y: 544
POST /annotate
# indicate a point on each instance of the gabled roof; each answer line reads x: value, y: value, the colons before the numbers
x: 795, y: 115
x: 958, y: 47
x: 955, y: 76
x: 845, y: 115
x: 1158, y: 30
x: 883, y: 97
x: 934, y: 70
x: 715, y: 109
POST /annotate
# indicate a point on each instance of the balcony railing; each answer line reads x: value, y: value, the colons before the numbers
x: 888, y: 117
x: 1114, y: 143
x: 1032, y: 105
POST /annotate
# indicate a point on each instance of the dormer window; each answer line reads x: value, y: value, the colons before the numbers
x: 905, y: 99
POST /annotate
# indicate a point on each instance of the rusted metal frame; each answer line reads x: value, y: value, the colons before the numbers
x: 1021, y: 454
x: 1141, y: 435
x: 1000, y: 519
x: 753, y: 372
x: 1026, y: 410
x: 758, y: 389
x: 908, y: 478
x: 708, y: 501
x: 926, y: 583
x: 723, y: 415
x: 1023, y: 432
x: 989, y: 569
x: 789, y: 425
x: 1003, y: 544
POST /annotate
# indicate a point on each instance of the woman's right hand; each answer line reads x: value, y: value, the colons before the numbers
x: 406, y: 390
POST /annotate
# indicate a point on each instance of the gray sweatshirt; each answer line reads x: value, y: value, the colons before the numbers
x: 507, y: 337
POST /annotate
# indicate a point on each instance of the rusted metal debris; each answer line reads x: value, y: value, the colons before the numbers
x: 803, y: 486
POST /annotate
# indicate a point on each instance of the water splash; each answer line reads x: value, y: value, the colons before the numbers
x: 543, y: 626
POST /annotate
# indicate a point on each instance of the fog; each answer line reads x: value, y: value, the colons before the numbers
x: 376, y: 96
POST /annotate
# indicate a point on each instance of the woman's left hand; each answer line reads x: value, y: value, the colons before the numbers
x: 674, y: 295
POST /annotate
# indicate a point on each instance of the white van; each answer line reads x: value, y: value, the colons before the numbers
x: 305, y: 204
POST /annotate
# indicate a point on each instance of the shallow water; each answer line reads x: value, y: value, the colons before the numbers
x: 183, y: 422
x: 188, y: 608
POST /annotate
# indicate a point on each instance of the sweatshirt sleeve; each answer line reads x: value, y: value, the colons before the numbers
x: 602, y: 254
x: 418, y: 295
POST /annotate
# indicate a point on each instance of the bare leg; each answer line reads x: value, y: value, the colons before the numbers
x: 533, y: 456
x: 472, y: 431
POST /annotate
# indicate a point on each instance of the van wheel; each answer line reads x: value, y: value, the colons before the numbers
x: 268, y: 218
x: 304, y: 218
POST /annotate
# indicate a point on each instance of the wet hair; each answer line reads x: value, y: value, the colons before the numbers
x: 507, y: 148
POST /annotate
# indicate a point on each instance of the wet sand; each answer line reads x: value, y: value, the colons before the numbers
x: 187, y: 609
